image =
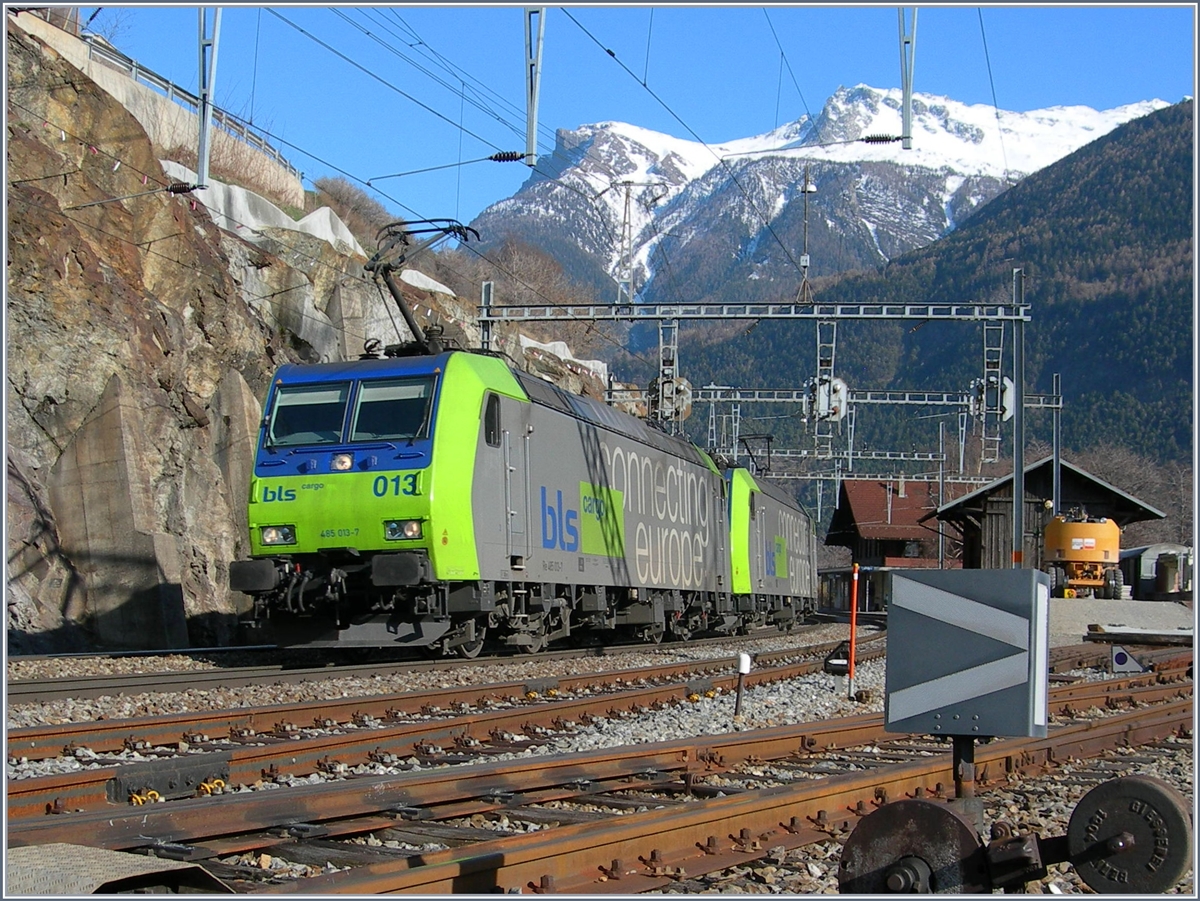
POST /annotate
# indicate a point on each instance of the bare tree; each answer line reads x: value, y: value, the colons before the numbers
x: 110, y: 22
x: 524, y: 276
x: 362, y: 213
x: 1166, y: 486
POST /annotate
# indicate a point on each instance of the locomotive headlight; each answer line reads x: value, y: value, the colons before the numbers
x: 402, y: 529
x: 279, y: 535
x: 342, y: 462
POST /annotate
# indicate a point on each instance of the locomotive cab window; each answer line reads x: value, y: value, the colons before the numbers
x: 491, y: 421
x: 308, y: 414
x: 392, y: 409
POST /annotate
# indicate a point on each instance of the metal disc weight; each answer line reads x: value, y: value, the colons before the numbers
x: 1131, y: 835
x: 913, y: 846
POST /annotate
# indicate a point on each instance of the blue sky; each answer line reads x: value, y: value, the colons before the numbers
x: 385, y: 95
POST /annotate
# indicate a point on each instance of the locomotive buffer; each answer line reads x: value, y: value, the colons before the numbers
x: 968, y: 657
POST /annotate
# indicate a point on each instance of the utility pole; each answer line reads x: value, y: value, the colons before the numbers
x: 941, y: 494
x: 1056, y: 491
x: 208, y: 78
x: 908, y: 50
x: 1018, y: 554
x: 533, y: 78
x: 805, y: 293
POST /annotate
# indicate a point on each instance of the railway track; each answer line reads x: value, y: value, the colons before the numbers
x: 182, y: 754
x: 33, y: 691
x: 22, y: 691
x: 483, y: 726
x: 620, y: 851
x: 242, y: 744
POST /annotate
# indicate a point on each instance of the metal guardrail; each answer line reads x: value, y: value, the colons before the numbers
x: 229, y: 124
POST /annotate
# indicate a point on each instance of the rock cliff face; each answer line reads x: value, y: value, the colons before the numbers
x: 141, y: 339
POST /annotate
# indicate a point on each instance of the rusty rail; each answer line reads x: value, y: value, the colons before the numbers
x: 103, y: 787
x: 649, y: 850
x: 41, y: 742
x: 24, y: 691
x: 94, y: 788
x: 550, y: 777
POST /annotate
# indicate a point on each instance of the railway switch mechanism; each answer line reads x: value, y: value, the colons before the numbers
x: 1130, y: 835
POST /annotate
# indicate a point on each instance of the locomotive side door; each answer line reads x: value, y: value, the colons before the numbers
x: 515, y: 445
x: 500, y: 491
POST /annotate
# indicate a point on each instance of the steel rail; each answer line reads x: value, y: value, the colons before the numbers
x: 194, y: 819
x: 41, y: 742
x: 645, y: 851
x: 34, y: 690
x: 217, y: 815
x: 1141, y: 688
x: 336, y: 752
x: 465, y: 734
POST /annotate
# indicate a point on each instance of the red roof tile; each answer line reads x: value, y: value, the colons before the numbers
x: 889, y: 510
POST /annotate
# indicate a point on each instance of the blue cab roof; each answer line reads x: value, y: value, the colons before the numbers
x: 315, y: 373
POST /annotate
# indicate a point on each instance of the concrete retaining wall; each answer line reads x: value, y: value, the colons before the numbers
x: 168, y: 125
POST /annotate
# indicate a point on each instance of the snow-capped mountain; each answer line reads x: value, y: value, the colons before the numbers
x: 704, y: 220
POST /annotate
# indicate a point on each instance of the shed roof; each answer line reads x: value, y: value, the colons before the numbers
x: 884, y: 510
x: 1135, y: 510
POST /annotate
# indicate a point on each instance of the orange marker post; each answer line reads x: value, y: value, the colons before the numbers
x: 853, y: 624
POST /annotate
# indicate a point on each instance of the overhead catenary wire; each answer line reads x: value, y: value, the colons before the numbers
x: 785, y: 62
x: 649, y: 32
x: 506, y: 156
x: 458, y: 72
x: 415, y: 214
x: 550, y: 176
x: 996, y: 106
x: 438, y: 79
x: 483, y: 93
x: 380, y: 79
x: 728, y: 170
x: 500, y: 156
x: 174, y: 188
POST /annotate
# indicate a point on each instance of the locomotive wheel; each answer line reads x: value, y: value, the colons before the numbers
x: 470, y: 650
x: 538, y: 638
x: 1131, y: 835
x: 653, y: 635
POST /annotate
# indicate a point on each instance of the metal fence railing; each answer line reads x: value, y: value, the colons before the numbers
x: 228, y: 123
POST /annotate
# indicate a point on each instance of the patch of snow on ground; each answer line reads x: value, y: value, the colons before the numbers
x: 423, y: 282
x: 243, y: 212
x: 560, y: 349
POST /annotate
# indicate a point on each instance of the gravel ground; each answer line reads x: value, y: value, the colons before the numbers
x: 1042, y: 805
x: 1071, y: 617
x: 155, y: 704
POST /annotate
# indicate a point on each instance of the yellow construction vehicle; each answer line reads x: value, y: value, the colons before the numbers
x: 1083, y: 556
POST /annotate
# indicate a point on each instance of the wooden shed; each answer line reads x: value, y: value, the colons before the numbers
x: 982, y: 520
x: 880, y: 522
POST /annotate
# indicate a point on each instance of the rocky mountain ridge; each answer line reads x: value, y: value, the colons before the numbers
x: 688, y: 203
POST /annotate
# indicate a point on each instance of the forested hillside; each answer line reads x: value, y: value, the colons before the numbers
x: 1104, y: 238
